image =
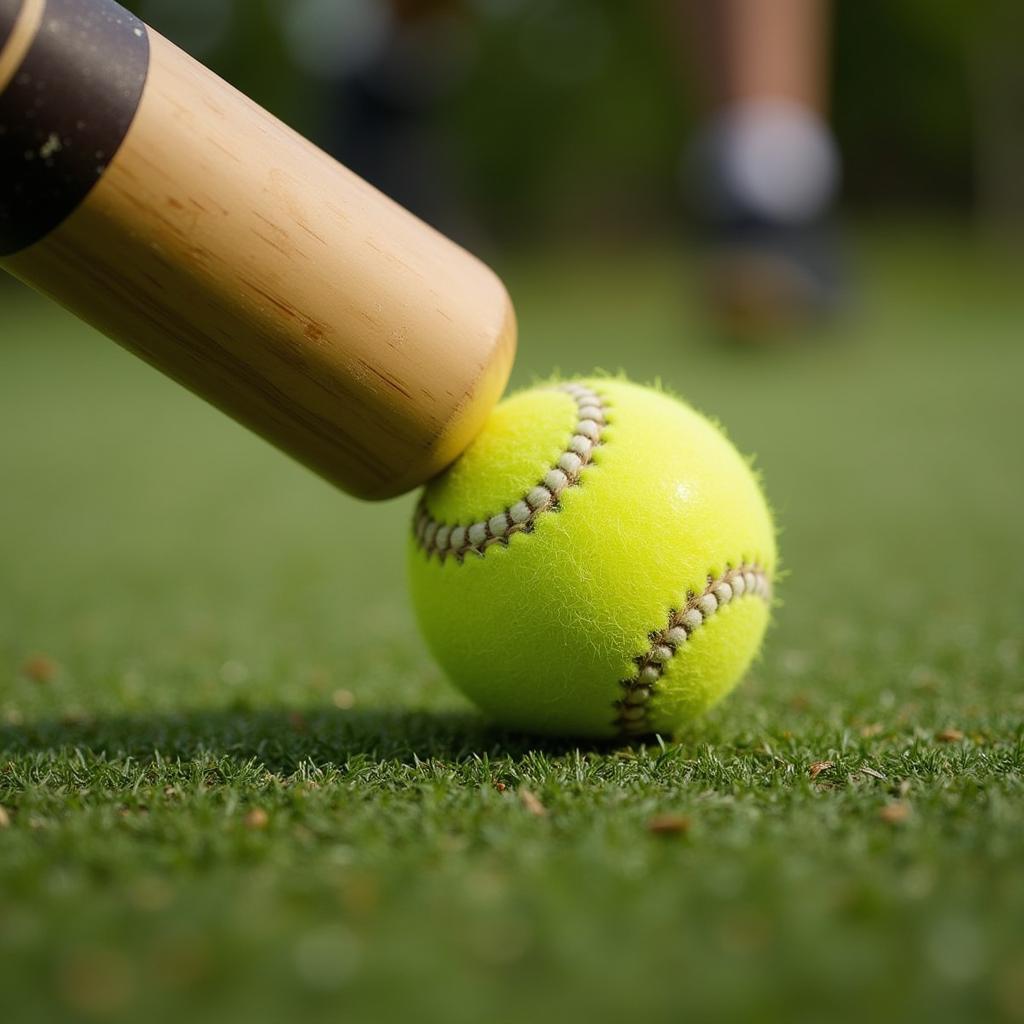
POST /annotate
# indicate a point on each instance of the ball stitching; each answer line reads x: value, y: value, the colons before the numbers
x: 444, y: 540
x: 633, y: 710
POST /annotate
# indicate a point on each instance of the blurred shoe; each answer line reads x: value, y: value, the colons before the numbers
x: 766, y: 175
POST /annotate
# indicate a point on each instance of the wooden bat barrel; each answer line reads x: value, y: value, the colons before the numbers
x: 160, y: 205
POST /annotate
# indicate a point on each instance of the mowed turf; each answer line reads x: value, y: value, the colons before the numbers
x: 236, y: 789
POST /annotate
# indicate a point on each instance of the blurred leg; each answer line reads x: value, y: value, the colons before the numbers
x: 766, y: 168
x: 752, y: 49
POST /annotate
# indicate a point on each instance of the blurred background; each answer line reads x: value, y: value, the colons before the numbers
x: 553, y: 120
x: 514, y: 125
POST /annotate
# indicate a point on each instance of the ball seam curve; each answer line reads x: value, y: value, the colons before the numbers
x: 634, y: 710
x: 435, y: 537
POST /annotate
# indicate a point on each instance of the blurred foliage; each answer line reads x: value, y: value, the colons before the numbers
x: 902, y: 102
x: 578, y: 111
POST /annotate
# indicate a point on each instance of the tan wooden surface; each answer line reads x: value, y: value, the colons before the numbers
x: 241, y: 260
x: 26, y: 25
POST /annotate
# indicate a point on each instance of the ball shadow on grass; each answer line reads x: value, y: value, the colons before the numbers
x: 282, y: 739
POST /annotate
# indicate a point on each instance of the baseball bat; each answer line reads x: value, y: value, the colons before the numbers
x: 160, y: 205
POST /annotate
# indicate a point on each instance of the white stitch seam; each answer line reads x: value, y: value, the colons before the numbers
x: 443, y: 539
x: 633, y: 711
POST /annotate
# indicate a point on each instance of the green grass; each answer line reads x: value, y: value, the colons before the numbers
x: 203, y: 608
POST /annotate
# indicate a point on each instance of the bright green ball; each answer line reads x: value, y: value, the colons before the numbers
x: 598, y: 563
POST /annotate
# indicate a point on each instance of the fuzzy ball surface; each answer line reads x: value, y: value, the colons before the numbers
x: 599, y: 562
